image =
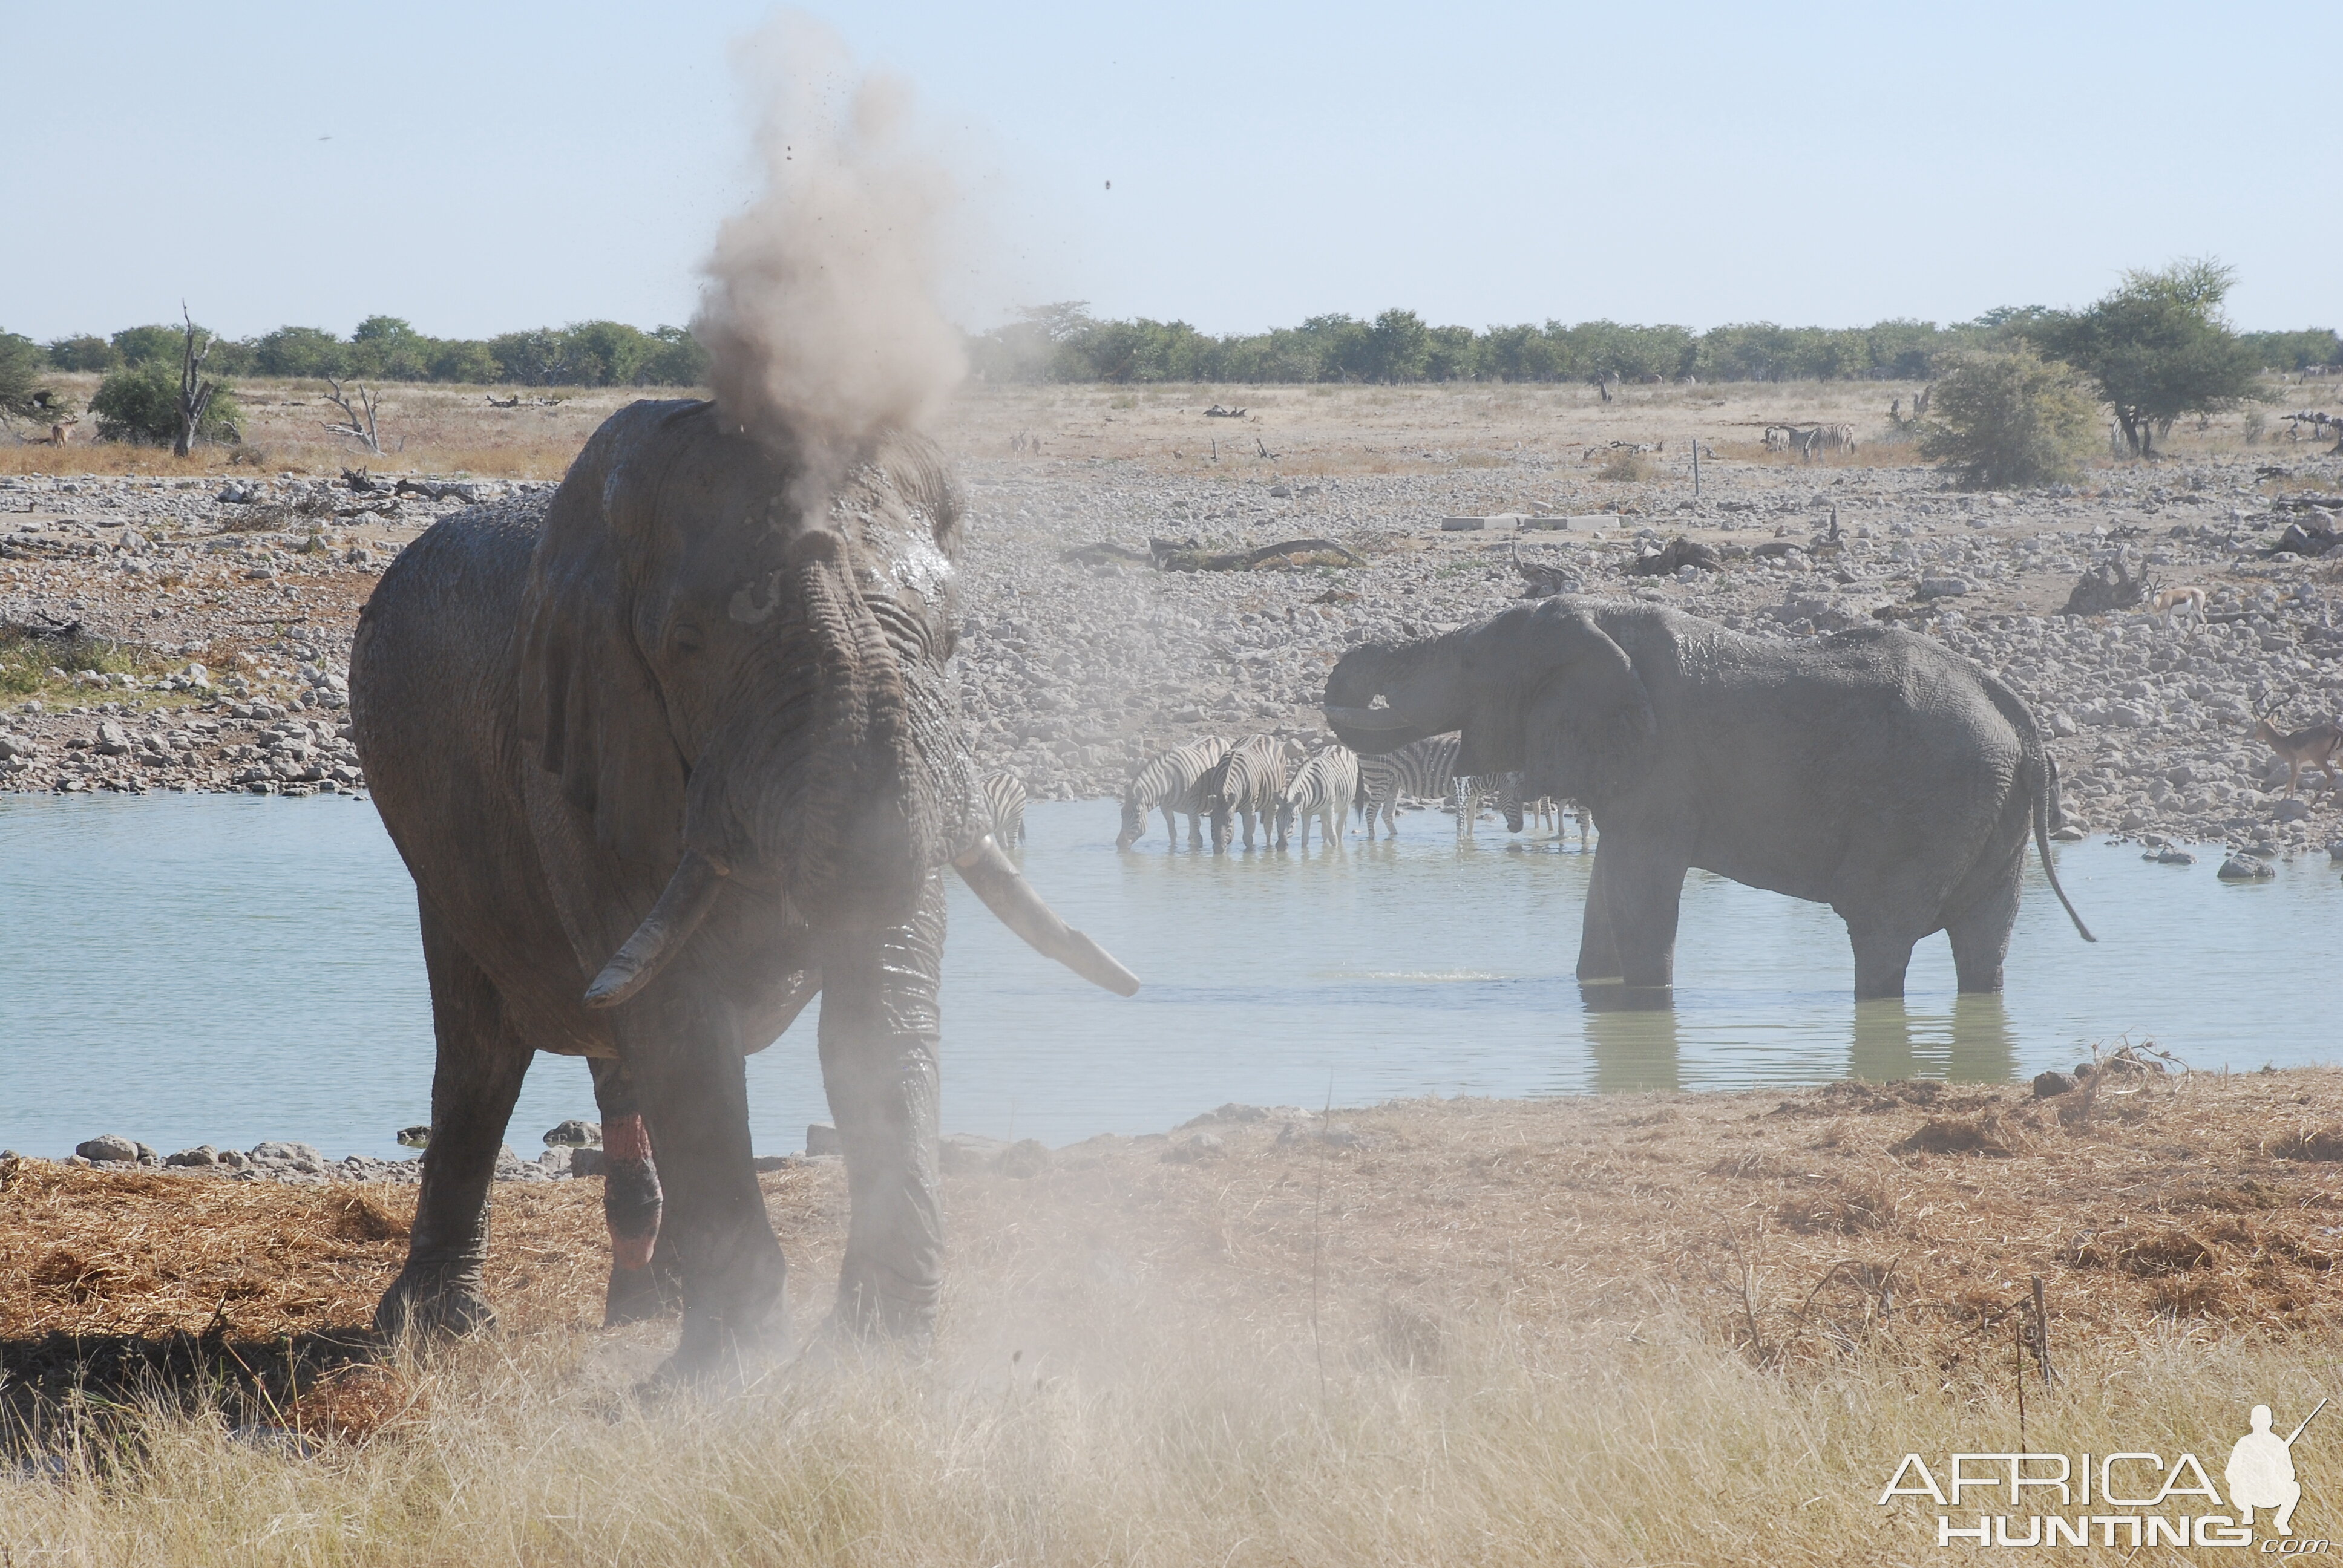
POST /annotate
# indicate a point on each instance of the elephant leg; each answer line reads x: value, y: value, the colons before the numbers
x: 879, y: 1031
x: 1639, y: 890
x: 1882, y: 954
x: 683, y: 1050
x: 1980, y: 936
x: 644, y: 1279
x: 1598, y: 951
x: 481, y: 1063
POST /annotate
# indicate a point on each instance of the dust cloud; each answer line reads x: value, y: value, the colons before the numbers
x: 819, y: 310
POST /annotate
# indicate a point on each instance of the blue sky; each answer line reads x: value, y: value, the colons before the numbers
x: 496, y: 166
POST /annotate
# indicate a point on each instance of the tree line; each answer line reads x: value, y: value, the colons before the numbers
x: 1065, y: 343
x: 386, y: 348
x: 2155, y: 349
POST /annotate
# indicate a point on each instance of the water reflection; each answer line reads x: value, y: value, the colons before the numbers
x: 1631, y: 1033
x: 1974, y: 1043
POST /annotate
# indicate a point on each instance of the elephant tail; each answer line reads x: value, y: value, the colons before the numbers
x: 2039, y: 775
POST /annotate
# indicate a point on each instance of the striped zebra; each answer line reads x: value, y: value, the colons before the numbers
x: 1472, y: 788
x: 1172, y: 784
x: 1004, y: 806
x: 1544, y: 812
x: 1246, y: 784
x: 1426, y: 769
x: 1322, y: 788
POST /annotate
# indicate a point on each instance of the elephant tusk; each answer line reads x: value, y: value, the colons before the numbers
x: 1364, y: 718
x: 682, y: 904
x: 1007, y: 893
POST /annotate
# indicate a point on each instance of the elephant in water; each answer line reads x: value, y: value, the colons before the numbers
x: 668, y: 755
x: 1875, y: 771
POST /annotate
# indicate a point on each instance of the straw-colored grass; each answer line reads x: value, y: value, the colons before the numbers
x: 1645, y: 1327
x: 1163, y: 1441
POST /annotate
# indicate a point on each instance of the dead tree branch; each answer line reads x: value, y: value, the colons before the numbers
x: 196, y: 394
x: 358, y: 421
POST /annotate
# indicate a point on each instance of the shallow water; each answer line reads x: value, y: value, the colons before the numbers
x: 190, y: 969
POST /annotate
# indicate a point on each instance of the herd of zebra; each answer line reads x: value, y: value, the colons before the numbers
x: 1277, y: 786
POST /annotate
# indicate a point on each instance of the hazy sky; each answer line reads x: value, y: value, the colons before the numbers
x: 478, y: 167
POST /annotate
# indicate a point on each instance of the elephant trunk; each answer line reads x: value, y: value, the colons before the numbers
x: 865, y: 838
x: 848, y: 809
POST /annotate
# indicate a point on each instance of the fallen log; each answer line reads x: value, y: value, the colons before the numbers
x: 1106, y: 552
x: 437, y: 490
x: 1186, y: 557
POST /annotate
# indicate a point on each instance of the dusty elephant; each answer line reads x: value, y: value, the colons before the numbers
x: 668, y: 755
x: 1873, y: 771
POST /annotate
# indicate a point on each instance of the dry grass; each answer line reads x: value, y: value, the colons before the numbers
x: 1320, y: 431
x: 1643, y: 1328
x: 1185, y: 1448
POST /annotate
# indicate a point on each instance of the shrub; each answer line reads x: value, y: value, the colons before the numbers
x: 150, y: 345
x: 84, y: 351
x: 21, y: 363
x: 462, y: 361
x: 2001, y: 420
x: 305, y: 351
x: 527, y: 358
x: 604, y: 353
x: 142, y: 403
x: 677, y: 360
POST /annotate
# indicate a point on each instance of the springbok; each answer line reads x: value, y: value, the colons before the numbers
x: 2185, y: 602
x: 2316, y: 745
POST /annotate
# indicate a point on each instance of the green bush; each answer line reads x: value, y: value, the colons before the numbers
x: 462, y: 361
x: 141, y: 403
x: 310, y: 352
x: 1999, y: 421
x: 22, y: 361
x: 84, y: 351
x: 2316, y: 345
x: 151, y: 345
x: 677, y: 360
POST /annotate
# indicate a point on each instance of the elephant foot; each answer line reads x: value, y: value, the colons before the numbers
x: 736, y: 1326
x: 437, y: 1299
x: 875, y: 1302
x: 637, y: 1295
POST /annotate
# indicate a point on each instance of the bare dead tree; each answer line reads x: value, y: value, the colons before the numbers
x: 358, y: 421
x: 195, y: 393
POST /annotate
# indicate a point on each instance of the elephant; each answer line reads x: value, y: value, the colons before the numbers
x: 1874, y: 770
x: 667, y: 754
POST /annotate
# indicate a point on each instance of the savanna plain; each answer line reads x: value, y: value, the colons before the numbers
x: 1663, y: 1328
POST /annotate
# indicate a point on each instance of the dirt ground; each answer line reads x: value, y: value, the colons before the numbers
x: 1792, y: 1227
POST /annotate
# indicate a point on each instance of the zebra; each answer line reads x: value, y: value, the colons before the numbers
x: 1247, y: 783
x: 1004, y: 806
x: 1424, y: 768
x: 1172, y: 784
x: 1542, y: 812
x: 1321, y: 788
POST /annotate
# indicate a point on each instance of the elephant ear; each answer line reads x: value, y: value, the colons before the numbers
x: 1591, y: 730
x: 591, y: 713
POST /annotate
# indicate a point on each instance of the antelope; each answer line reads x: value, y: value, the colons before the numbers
x: 2184, y: 602
x: 2314, y: 744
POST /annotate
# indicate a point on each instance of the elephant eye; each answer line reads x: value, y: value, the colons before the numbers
x: 685, y: 639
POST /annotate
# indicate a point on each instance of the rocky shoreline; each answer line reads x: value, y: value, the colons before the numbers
x: 1086, y: 647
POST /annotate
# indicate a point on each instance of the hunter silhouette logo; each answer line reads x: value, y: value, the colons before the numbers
x: 2261, y: 1470
x: 2129, y: 1499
